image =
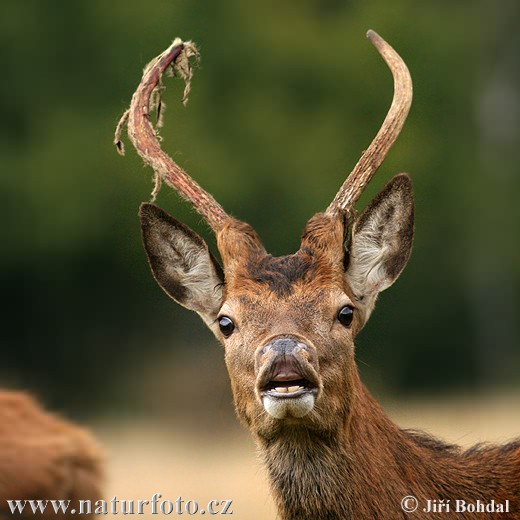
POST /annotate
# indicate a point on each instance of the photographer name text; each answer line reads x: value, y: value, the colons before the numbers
x: 410, y: 504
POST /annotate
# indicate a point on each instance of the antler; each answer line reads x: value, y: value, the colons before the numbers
x: 145, y: 138
x: 372, y: 158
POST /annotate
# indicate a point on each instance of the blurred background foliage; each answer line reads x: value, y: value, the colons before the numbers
x: 287, y: 96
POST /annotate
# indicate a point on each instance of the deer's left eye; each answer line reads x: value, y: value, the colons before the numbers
x: 345, y: 315
x: 226, y: 326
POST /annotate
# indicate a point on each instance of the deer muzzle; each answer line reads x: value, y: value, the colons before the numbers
x: 288, y: 382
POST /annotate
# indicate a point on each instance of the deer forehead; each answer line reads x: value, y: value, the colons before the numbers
x: 285, y: 291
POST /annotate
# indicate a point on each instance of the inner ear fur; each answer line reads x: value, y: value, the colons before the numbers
x: 181, y: 262
x: 381, y: 240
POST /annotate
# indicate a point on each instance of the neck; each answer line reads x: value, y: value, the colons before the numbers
x: 299, y: 467
x: 365, y: 470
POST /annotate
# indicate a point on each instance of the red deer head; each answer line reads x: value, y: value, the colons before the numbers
x: 288, y: 324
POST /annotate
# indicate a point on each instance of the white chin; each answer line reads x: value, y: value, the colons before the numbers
x: 280, y: 408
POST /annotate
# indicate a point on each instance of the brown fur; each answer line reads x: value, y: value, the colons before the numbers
x: 44, y: 457
x: 364, y: 471
x: 344, y: 459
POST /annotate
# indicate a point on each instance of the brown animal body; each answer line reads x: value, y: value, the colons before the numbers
x: 43, y: 457
x: 288, y: 327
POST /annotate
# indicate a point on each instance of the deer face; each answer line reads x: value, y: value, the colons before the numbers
x: 287, y: 324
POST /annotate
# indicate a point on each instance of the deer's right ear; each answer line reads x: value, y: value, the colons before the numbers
x: 181, y: 262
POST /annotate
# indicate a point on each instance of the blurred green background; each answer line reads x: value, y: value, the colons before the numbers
x: 287, y: 96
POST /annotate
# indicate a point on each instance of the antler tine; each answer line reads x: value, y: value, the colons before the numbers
x: 145, y: 138
x: 372, y: 158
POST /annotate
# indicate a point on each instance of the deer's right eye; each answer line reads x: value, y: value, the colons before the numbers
x: 226, y: 326
x: 345, y: 315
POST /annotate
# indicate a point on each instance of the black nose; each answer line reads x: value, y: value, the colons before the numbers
x: 283, y: 345
x: 285, y: 348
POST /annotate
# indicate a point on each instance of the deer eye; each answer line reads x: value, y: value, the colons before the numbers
x: 226, y: 326
x: 345, y: 315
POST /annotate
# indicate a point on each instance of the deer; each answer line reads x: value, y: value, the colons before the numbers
x: 288, y: 327
x: 44, y: 457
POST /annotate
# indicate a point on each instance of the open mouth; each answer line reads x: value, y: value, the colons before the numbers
x: 286, y: 396
x: 288, y: 388
x: 287, y: 378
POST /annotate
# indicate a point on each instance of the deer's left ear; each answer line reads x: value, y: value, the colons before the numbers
x: 381, y: 241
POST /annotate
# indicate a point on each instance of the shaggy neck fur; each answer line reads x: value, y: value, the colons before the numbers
x: 366, y: 470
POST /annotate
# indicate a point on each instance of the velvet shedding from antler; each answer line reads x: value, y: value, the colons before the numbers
x: 147, y: 98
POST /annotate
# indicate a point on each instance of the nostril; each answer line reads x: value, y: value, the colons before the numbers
x: 286, y: 368
x: 281, y: 347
